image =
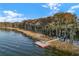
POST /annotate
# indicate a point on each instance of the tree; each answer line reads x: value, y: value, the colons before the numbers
x: 63, y: 20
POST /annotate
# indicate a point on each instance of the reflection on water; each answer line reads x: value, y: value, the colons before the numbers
x: 12, y: 43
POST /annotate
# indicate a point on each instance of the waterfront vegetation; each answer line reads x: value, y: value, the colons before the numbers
x: 63, y: 25
x: 60, y: 25
x: 53, y: 52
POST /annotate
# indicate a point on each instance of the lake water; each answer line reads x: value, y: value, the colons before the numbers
x: 14, y: 44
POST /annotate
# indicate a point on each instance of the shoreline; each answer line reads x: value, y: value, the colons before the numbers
x: 62, y: 46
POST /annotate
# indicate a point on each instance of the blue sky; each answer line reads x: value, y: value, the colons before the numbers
x: 13, y: 12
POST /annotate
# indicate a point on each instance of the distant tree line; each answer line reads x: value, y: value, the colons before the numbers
x: 63, y: 25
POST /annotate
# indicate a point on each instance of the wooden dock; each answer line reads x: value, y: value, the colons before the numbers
x: 42, y: 44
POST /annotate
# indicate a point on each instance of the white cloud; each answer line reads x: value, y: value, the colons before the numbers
x: 54, y: 7
x: 11, y: 13
x: 71, y: 11
x: 45, y: 6
x: 11, y: 16
x: 76, y: 6
x: 51, y: 5
x: 72, y: 8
